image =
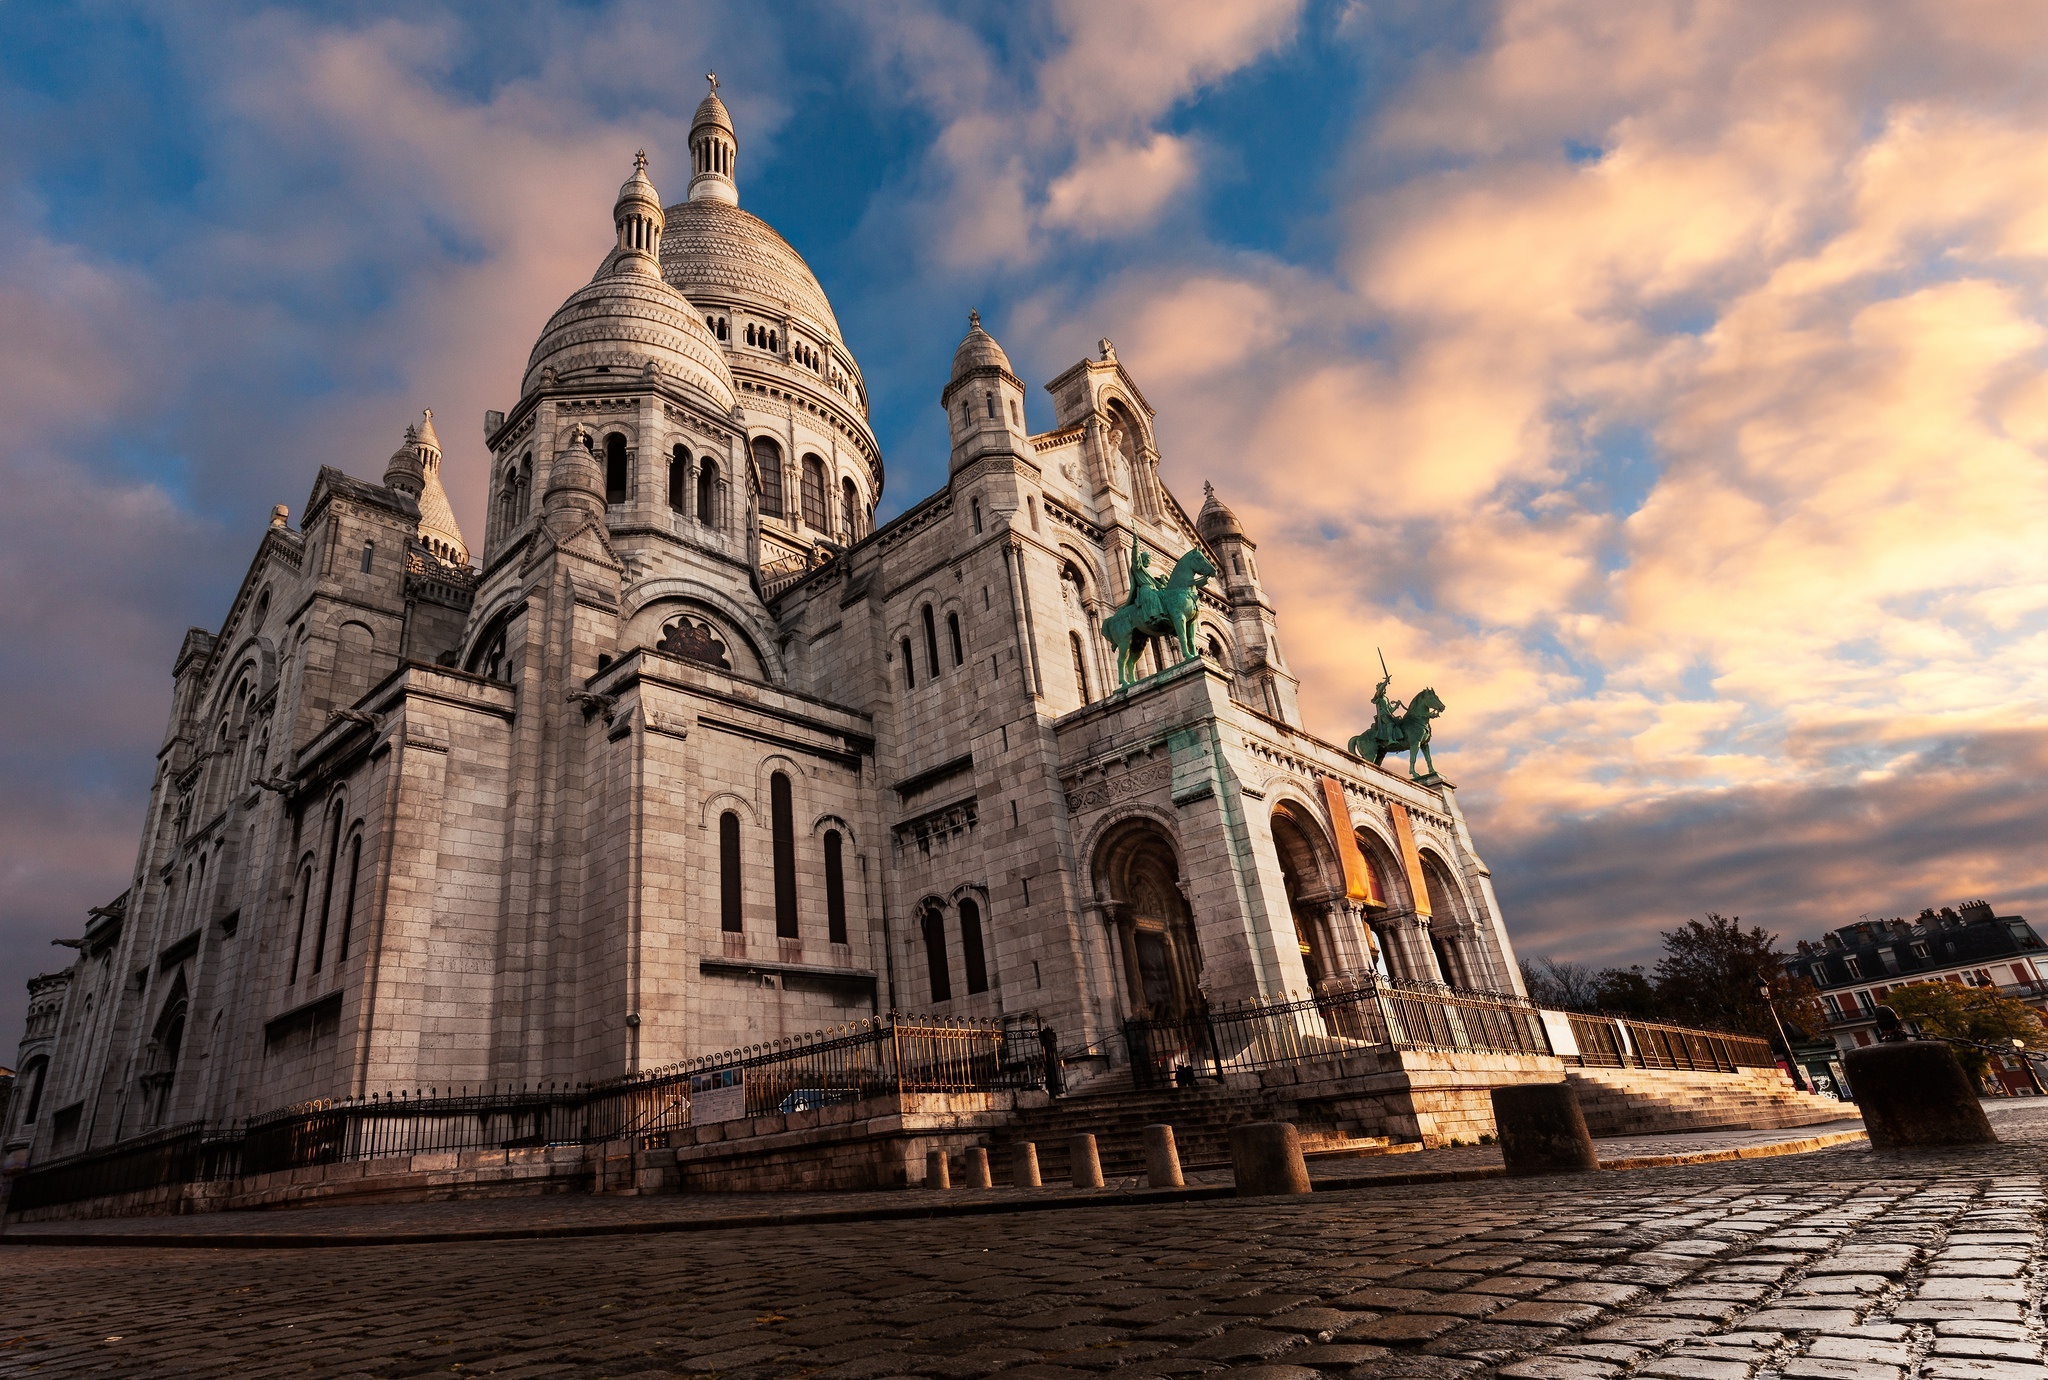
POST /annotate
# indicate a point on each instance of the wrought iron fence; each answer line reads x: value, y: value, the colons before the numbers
x: 1380, y: 1013
x: 886, y: 1054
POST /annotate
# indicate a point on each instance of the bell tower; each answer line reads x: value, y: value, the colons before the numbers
x: 714, y: 150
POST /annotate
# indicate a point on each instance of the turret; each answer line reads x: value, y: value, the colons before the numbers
x: 1225, y: 535
x: 438, y: 532
x: 714, y: 151
x: 638, y: 218
x: 984, y: 402
x: 575, y: 482
x: 403, y: 472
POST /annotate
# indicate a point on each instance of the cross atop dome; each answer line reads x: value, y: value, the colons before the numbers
x: 712, y: 77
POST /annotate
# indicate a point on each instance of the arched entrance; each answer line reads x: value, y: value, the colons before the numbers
x: 1457, y: 954
x: 1137, y: 878
x: 1314, y: 887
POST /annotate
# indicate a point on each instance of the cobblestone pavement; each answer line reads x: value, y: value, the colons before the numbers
x: 1844, y: 1264
x: 568, y: 1213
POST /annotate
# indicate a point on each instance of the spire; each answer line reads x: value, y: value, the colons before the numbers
x: 637, y: 215
x: 714, y: 150
x: 438, y: 532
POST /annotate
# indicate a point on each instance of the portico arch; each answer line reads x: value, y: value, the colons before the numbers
x: 1137, y: 881
x: 1315, y: 893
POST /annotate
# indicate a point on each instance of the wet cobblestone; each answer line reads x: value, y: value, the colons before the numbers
x: 1838, y: 1265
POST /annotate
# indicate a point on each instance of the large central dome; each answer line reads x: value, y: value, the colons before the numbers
x: 710, y: 249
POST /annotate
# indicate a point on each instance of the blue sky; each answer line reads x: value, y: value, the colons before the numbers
x: 1663, y: 383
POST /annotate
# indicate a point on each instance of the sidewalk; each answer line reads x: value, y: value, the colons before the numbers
x: 564, y: 1215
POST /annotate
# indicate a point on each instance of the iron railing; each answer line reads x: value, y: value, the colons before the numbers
x: 1617, y: 1042
x: 886, y: 1054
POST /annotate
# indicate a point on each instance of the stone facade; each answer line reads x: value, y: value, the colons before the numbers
x: 692, y: 757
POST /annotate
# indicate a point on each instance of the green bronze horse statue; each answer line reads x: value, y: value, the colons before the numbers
x: 1157, y: 610
x: 1400, y: 730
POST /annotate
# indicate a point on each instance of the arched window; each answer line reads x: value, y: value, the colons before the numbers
x: 815, y: 515
x: 931, y: 644
x: 729, y: 872
x: 990, y: 399
x: 679, y: 481
x: 305, y: 900
x: 327, y: 890
x: 1080, y: 668
x: 348, y: 905
x: 953, y: 631
x: 975, y: 505
x: 909, y: 667
x: 707, y: 492
x: 783, y: 812
x: 970, y: 946
x: 935, y: 965
x: 849, y: 509
x: 369, y: 556
x: 835, y: 888
x: 768, y: 460
x: 33, y: 1077
x: 615, y: 468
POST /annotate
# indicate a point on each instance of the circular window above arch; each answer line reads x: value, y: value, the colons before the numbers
x: 693, y: 639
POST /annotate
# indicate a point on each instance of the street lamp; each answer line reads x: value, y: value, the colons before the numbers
x: 1763, y: 989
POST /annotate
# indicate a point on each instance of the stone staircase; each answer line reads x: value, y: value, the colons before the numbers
x: 1116, y: 1114
x: 1639, y: 1102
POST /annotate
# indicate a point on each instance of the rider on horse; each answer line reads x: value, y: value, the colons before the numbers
x: 1145, y: 587
x: 1386, y: 718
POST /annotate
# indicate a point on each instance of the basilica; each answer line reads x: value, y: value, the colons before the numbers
x: 683, y: 752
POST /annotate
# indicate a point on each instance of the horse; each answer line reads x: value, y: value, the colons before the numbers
x: 1409, y: 732
x: 1128, y: 632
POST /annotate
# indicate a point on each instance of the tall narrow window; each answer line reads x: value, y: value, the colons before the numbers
x: 729, y: 872
x: 935, y: 964
x: 768, y: 460
x: 679, y: 481
x: 835, y: 888
x: 348, y: 905
x: 615, y: 468
x: 327, y: 891
x: 909, y: 667
x: 783, y: 811
x: 1080, y: 668
x: 970, y: 946
x: 975, y: 505
x: 849, y: 510
x: 953, y: 631
x: 369, y: 555
x: 814, y: 494
x: 931, y: 644
x: 707, y: 493
x: 305, y: 900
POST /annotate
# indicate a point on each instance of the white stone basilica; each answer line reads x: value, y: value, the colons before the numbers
x: 687, y: 754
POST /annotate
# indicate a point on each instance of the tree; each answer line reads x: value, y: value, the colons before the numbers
x: 1627, y: 992
x: 1711, y: 972
x: 1951, y: 1011
x: 1567, y: 986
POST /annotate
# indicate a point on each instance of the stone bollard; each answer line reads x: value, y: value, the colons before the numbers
x: 1542, y: 1130
x: 1084, y: 1166
x: 1024, y: 1164
x: 977, y: 1167
x: 936, y: 1172
x: 1162, y: 1159
x: 1914, y: 1092
x: 1265, y: 1157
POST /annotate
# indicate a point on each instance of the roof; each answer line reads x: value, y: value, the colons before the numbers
x: 722, y: 252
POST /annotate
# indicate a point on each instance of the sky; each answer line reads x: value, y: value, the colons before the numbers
x: 1663, y: 383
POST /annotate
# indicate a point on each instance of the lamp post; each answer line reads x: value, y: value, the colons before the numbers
x: 1763, y: 989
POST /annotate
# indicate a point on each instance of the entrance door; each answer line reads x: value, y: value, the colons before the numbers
x: 1155, y: 973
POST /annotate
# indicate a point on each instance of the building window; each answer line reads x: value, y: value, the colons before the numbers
x: 953, y: 631
x: 707, y: 493
x: 348, y: 905
x: 975, y: 506
x: 729, y: 872
x: 679, y: 481
x: 615, y: 468
x: 327, y: 891
x: 768, y: 460
x: 835, y: 888
x: 814, y: 494
x: 935, y: 964
x: 782, y: 811
x: 849, y: 509
x: 34, y: 1079
x: 931, y: 644
x: 970, y: 946
x: 909, y: 667
x: 305, y: 900
x: 1080, y: 668
x: 369, y: 555
x: 1855, y: 968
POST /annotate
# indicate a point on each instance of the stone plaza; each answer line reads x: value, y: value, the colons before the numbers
x: 1841, y: 1264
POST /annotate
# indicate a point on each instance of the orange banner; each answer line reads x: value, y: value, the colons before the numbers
x: 1357, y: 876
x: 1411, y: 860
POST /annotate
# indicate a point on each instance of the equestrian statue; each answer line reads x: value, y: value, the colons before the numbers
x: 1396, y: 728
x: 1157, y: 609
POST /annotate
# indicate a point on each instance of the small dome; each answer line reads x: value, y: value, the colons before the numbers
x: 637, y: 190
x: 1215, y: 522
x: 711, y: 111
x: 404, y: 472
x: 978, y: 350
x: 427, y: 438
x: 575, y: 479
x: 621, y: 323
